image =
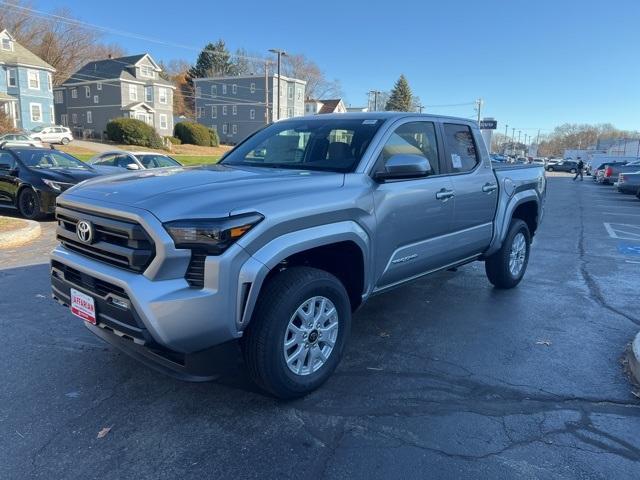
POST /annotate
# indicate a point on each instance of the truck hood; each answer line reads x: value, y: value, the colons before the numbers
x: 202, y: 192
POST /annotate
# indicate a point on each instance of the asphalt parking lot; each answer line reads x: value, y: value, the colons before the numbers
x: 445, y: 378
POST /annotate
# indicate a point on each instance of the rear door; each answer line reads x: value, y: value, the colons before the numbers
x: 476, y: 190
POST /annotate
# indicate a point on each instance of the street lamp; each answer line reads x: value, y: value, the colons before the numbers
x: 280, y: 53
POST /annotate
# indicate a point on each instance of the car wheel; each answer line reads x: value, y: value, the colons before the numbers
x: 29, y: 204
x: 65, y: 141
x: 506, y: 267
x: 573, y: 170
x: 298, y: 332
x: 550, y: 169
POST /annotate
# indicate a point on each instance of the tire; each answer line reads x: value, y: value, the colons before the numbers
x: 550, y: 169
x: 29, y: 204
x: 65, y: 141
x: 573, y: 170
x: 497, y: 266
x: 276, y: 314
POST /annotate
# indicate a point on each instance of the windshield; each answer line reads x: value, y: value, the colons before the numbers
x: 37, y: 129
x: 157, y: 161
x: 49, y: 159
x: 334, y: 145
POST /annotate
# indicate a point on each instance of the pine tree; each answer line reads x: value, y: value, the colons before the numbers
x: 401, y: 97
x: 213, y: 60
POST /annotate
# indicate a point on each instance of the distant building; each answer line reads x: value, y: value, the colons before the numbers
x: 238, y: 106
x: 26, y: 85
x: 116, y: 87
x: 313, y: 107
x: 357, y: 109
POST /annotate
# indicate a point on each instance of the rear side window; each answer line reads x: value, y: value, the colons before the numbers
x: 462, y: 154
x: 7, y: 160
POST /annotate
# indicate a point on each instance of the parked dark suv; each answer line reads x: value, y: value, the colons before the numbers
x: 32, y: 178
x: 564, y: 166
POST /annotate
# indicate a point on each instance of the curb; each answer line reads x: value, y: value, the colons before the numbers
x: 633, y: 357
x: 23, y: 235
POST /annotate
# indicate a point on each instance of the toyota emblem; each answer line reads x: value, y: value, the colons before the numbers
x: 84, y: 231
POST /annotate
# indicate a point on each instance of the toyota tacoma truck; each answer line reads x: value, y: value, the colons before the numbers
x: 275, y: 247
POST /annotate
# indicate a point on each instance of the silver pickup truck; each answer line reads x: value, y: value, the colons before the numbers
x: 276, y: 246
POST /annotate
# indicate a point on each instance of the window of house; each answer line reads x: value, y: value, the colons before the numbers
x: 163, y: 121
x: 36, y: 112
x: 96, y: 99
x: 133, y: 92
x: 413, y: 138
x: 74, y: 118
x: 234, y: 129
x: 198, y: 92
x: 252, y: 114
x: 89, y: 116
x: 290, y: 92
x: 74, y: 93
x: 50, y: 81
x: 462, y: 155
x: 12, y: 77
x: 214, y: 90
x: 99, y: 86
x: 33, y: 79
x: 224, y: 110
x: 253, y: 87
x: 224, y: 88
x: 224, y: 128
x: 147, y: 71
x: 234, y: 88
x: 162, y: 95
x: 64, y: 119
x: 52, y: 114
x: 200, y: 112
x: 87, y: 91
x: 234, y: 109
x: 7, y: 44
x: 289, y: 112
x: 214, y: 111
x: 57, y: 96
x: 299, y: 94
x: 148, y: 94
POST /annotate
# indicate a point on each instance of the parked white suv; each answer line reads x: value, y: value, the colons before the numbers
x: 55, y: 134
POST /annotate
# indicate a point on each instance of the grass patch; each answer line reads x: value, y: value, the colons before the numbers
x: 186, y: 160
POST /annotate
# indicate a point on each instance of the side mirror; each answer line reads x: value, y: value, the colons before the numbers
x: 133, y: 166
x: 405, y: 166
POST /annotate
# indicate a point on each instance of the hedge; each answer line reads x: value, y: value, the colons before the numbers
x: 173, y: 140
x: 130, y: 131
x: 196, y: 134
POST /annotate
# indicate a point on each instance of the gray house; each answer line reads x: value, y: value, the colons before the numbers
x: 117, y: 87
x: 238, y: 106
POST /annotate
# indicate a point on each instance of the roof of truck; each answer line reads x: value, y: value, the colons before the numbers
x: 378, y: 116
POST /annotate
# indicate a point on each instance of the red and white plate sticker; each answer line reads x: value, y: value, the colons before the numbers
x: 83, y: 306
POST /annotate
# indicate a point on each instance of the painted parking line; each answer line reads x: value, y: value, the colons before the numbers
x: 622, y: 231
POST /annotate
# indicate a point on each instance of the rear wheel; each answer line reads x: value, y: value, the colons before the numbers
x: 298, y: 332
x: 29, y: 204
x: 65, y: 141
x: 506, y: 267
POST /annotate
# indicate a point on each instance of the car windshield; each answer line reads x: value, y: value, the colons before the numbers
x: 49, y: 159
x: 333, y: 145
x: 157, y: 161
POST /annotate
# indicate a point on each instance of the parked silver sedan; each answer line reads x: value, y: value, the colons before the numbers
x: 18, y: 140
x: 118, y: 161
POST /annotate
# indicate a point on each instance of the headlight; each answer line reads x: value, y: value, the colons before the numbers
x: 213, y: 235
x: 55, y: 185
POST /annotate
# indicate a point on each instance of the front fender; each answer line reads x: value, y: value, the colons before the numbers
x: 255, y: 270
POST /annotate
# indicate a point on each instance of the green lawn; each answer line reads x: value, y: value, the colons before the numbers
x: 183, y: 159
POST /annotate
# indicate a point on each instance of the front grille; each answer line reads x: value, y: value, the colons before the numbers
x: 195, y: 271
x: 119, y: 242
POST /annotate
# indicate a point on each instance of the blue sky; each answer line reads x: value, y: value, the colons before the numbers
x: 536, y: 64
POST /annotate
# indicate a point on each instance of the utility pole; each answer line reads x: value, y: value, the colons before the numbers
x: 479, y: 103
x: 420, y: 107
x: 506, y: 138
x: 280, y: 54
x: 266, y: 92
x: 538, y: 138
x: 513, y: 138
x: 519, y: 132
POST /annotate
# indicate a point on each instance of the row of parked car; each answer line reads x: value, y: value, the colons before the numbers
x: 35, y: 137
x: 32, y: 177
x: 623, y: 175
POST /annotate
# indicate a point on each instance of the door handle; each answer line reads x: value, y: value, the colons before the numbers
x: 445, y: 194
x: 489, y: 187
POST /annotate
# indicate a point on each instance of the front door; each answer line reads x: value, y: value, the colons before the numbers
x: 413, y: 216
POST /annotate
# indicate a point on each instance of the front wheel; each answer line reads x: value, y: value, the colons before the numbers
x: 506, y: 267
x: 29, y: 204
x: 298, y: 332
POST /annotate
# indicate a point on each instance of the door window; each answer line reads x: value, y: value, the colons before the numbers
x: 106, y: 161
x: 7, y: 160
x: 462, y: 154
x: 413, y: 138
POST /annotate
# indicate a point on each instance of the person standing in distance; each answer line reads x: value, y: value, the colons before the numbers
x: 579, y: 169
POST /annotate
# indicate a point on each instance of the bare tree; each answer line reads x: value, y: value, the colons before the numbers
x: 580, y: 136
x: 318, y: 86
